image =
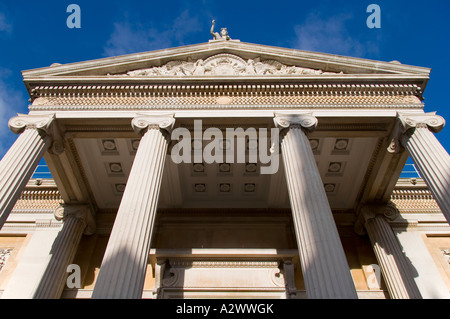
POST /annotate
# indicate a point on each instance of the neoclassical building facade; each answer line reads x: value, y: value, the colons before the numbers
x: 226, y: 170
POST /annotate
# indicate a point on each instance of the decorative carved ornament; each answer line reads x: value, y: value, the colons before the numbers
x: 43, y: 124
x: 156, y: 121
x: 433, y: 122
x: 407, y: 123
x: 305, y: 120
x: 446, y: 253
x: 230, y: 96
x: 82, y: 213
x: 225, y: 64
x: 388, y: 211
x: 368, y: 212
x: 4, y: 255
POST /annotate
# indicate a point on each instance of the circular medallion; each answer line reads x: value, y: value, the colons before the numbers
x: 224, y: 100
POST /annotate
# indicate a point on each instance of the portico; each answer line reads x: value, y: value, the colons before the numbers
x: 105, y: 130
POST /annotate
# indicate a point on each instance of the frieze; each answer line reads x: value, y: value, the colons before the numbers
x: 200, y: 102
x: 225, y: 96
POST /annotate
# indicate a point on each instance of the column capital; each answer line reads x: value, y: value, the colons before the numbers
x: 388, y: 211
x: 433, y: 122
x: 408, y: 122
x: 143, y: 122
x: 304, y: 120
x: 43, y: 124
x: 81, y: 212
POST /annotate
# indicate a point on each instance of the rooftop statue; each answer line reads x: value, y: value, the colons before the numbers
x: 223, y: 33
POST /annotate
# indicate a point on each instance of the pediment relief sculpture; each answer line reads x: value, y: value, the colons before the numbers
x: 225, y: 64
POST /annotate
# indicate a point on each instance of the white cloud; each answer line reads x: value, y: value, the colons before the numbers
x: 135, y: 37
x: 5, y: 26
x: 184, y: 25
x: 127, y: 38
x: 330, y: 35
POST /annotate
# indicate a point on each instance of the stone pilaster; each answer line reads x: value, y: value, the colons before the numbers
x: 33, y: 262
x: 325, y: 269
x: 21, y: 160
x: 76, y: 220
x: 289, y: 275
x: 160, y: 266
x: 415, y: 133
x: 397, y: 273
x: 426, y: 274
x: 122, y: 272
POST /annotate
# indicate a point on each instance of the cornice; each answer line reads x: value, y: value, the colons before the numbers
x: 330, y: 62
x: 107, y: 71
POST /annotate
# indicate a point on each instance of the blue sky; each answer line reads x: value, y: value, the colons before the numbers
x: 34, y: 34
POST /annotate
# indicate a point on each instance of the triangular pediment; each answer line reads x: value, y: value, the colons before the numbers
x: 240, y: 52
x: 224, y: 59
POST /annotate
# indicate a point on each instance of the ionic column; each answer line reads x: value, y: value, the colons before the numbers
x: 431, y: 159
x: 122, y: 272
x: 394, y: 265
x: 21, y: 160
x: 76, y: 220
x: 325, y: 269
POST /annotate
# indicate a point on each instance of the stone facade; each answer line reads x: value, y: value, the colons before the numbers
x: 330, y: 220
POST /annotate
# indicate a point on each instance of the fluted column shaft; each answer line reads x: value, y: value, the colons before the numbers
x: 124, y: 264
x: 431, y: 159
x: 21, y: 160
x: 394, y: 267
x: 77, y: 219
x: 325, y: 269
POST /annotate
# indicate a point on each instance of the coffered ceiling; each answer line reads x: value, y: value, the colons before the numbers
x: 342, y: 162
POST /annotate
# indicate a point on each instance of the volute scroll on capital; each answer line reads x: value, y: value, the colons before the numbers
x: 41, y: 123
x: 306, y: 121
x: 435, y: 123
x: 44, y: 124
x: 142, y: 122
x: 81, y: 212
x: 388, y: 211
x: 407, y: 123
